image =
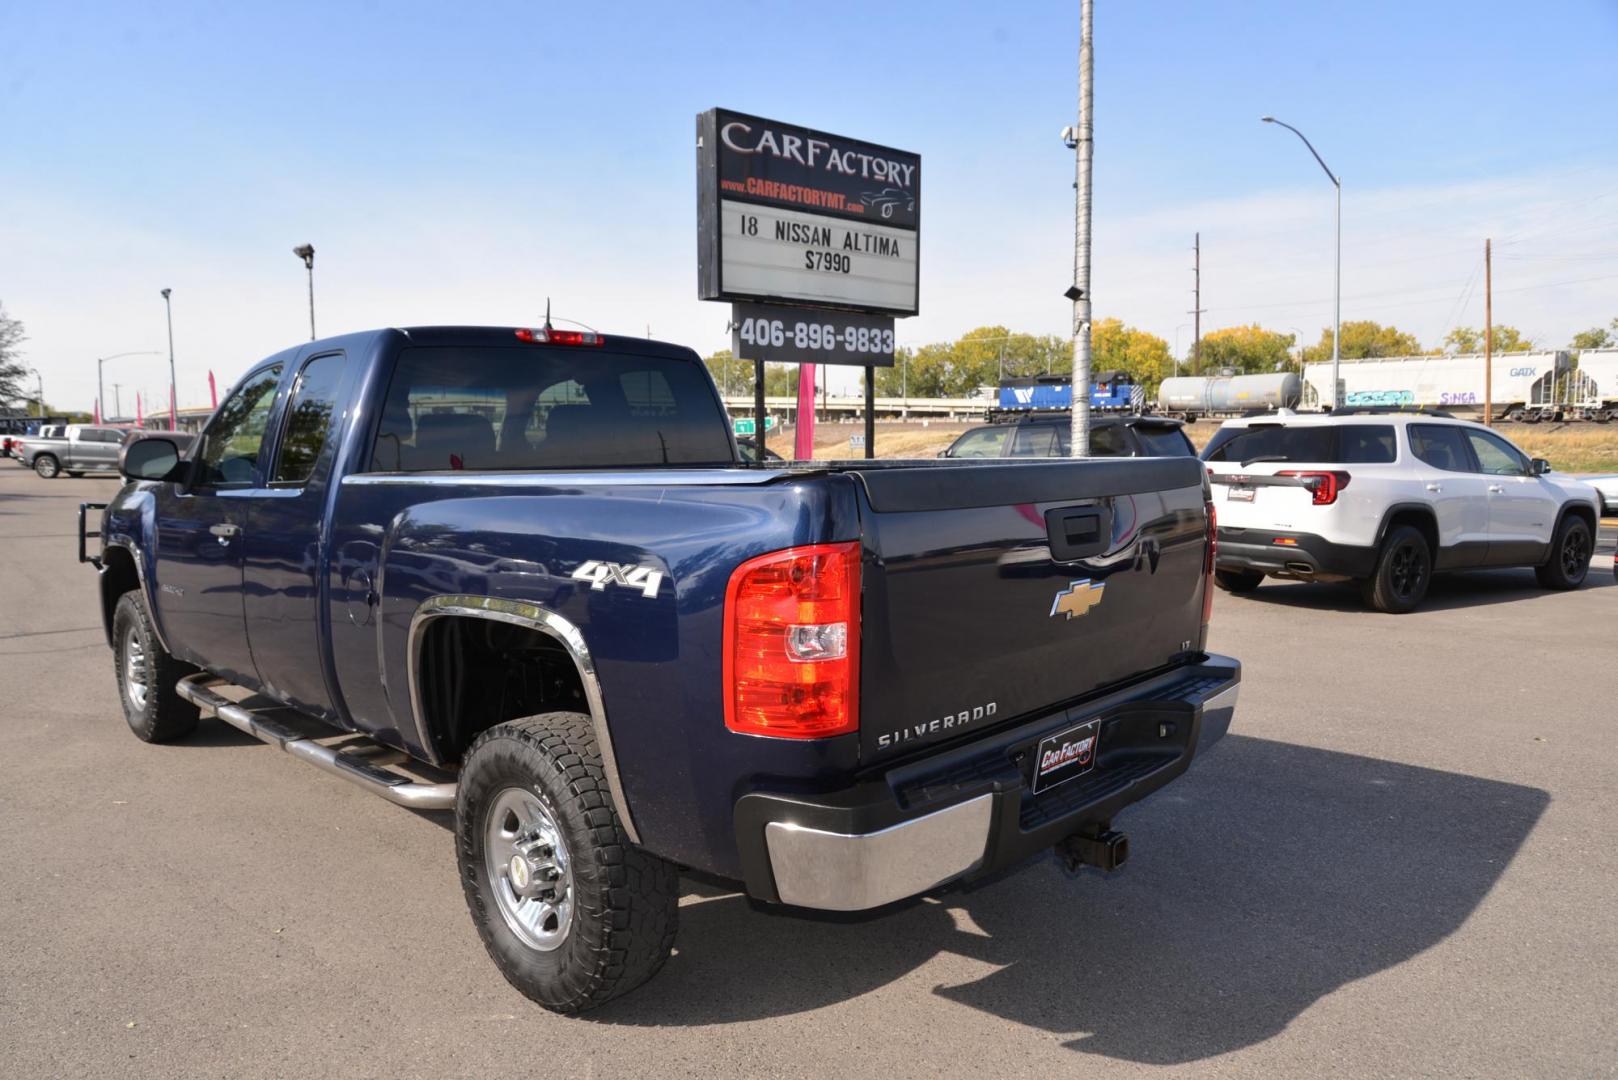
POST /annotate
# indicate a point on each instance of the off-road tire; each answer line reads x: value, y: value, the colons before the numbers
x: 1569, y: 562
x: 625, y: 900
x: 164, y: 715
x: 47, y: 466
x: 1404, y: 570
x: 1238, y: 581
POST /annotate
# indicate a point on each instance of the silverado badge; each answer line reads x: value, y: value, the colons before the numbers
x: 1078, y: 598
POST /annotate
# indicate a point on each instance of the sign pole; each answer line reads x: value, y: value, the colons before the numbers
x: 759, y: 412
x: 870, y: 412
x: 1080, y: 292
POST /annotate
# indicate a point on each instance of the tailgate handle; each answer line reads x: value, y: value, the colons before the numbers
x: 1078, y: 532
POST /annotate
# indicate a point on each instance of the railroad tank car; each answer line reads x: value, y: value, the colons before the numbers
x: 1229, y: 395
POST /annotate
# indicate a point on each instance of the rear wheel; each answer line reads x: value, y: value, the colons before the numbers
x: 147, y: 675
x: 572, y: 913
x: 1238, y: 581
x: 47, y: 466
x: 1570, y: 556
x: 1404, y: 569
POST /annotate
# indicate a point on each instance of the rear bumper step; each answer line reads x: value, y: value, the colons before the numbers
x: 377, y: 779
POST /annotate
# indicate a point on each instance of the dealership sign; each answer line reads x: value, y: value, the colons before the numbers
x: 791, y: 215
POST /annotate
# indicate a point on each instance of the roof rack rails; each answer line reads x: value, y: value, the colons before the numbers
x: 1389, y: 410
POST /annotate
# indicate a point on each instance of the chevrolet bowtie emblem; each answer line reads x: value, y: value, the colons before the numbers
x: 1078, y: 598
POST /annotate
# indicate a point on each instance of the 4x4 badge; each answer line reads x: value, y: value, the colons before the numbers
x: 1078, y: 598
x: 602, y: 574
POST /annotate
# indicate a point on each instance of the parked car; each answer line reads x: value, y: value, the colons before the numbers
x: 1385, y: 500
x: 1607, y: 488
x: 530, y: 562
x: 747, y: 447
x: 1047, y: 435
x: 74, y: 449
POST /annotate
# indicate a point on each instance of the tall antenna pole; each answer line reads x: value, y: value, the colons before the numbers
x: 1196, y: 305
x: 1080, y: 292
x: 1488, y: 335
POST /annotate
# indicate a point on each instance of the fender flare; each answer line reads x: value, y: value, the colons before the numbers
x: 534, y: 617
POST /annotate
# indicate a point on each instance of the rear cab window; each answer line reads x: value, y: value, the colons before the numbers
x: 485, y: 407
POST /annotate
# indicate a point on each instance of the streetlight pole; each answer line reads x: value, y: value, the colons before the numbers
x: 1082, y: 140
x: 1337, y: 271
x: 306, y: 252
x: 101, y: 389
x: 168, y: 309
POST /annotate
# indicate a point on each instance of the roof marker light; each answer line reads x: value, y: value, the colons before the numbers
x: 547, y: 335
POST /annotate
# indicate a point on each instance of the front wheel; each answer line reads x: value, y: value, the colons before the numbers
x: 47, y: 466
x: 1570, y: 556
x: 1404, y: 569
x: 572, y: 913
x: 147, y: 675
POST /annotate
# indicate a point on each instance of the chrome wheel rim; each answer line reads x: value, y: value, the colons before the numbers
x: 1575, y: 553
x: 135, y: 687
x: 529, y: 869
x: 1407, y: 572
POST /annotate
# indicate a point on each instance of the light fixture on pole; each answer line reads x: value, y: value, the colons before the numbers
x: 1337, y: 272
x: 306, y: 252
x: 168, y: 309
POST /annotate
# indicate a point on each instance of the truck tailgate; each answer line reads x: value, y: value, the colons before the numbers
x: 994, y: 591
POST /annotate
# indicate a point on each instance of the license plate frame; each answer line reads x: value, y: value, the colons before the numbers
x: 1067, y: 764
x: 1240, y: 493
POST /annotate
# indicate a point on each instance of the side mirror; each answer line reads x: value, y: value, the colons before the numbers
x: 149, y: 459
x: 1538, y: 467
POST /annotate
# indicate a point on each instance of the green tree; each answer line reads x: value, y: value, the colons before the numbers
x: 1464, y: 339
x: 1249, y: 349
x: 980, y: 357
x: 1596, y: 337
x: 13, y: 385
x: 735, y: 377
x: 1116, y: 347
x: 1363, y: 338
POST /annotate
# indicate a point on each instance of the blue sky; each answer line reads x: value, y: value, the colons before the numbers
x: 460, y: 163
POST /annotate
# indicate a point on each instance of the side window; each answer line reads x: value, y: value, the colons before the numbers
x: 1034, y: 440
x: 231, y: 443
x: 1496, y: 456
x: 984, y: 442
x: 309, y: 419
x: 1441, y: 446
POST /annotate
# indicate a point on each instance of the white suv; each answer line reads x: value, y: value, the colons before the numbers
x: 1385, y: 499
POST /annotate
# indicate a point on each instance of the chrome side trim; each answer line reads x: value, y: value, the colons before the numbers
x: 145, y: 588
x: 842, y: 872
x: 397, y: 789
x: 546, y: 621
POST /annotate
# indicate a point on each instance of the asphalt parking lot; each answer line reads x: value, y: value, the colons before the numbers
x: 1401, y: 862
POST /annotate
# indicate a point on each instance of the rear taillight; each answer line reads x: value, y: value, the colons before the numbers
x: 1324, y: 486
x: 550, y: 336
x: 792, y: 643
x: 1208, y: 567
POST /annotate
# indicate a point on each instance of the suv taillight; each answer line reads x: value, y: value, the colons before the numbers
x: 792, y: 643
x: 1324, y: 486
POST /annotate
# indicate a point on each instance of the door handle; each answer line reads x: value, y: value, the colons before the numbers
x: 1435, y: 487
x: 226, y: 533
x: 1495, y: 489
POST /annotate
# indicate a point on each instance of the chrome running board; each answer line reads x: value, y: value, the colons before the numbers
x: 377, y: 779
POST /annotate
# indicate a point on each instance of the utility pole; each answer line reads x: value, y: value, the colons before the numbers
x: 1084, y: 143
x: 1196, y: 304
x: 117, y: 400
x: 1488, y: 334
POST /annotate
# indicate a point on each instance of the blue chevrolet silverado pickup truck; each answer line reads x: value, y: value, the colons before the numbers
x: 524, y: 574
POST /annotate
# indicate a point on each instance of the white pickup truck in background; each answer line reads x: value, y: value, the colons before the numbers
x: 71, y: 448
